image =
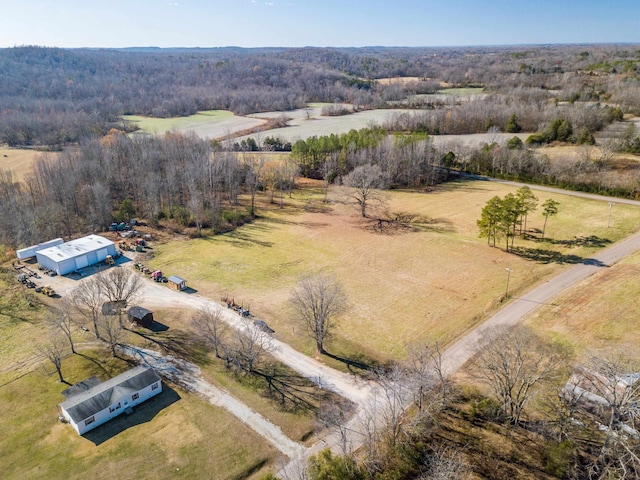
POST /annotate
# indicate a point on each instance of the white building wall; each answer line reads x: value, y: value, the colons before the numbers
x: 106, y: 415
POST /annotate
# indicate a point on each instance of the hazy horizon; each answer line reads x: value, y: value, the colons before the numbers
x: 330, y: 23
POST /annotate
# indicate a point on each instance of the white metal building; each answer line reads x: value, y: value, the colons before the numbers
x: 76, y: 254
x: 31, y: 251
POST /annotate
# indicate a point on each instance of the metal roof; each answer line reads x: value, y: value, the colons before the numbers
x: 76, y: 248
x: 176, y: 279
x: 31, y: 251
x: 95, y: 399
x: 138, y: 312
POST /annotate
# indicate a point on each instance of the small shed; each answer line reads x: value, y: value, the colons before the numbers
x: 177, y: 283
x: 140, y: 316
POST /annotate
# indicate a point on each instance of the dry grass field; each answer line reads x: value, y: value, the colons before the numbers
x: 20, y: 161
x: 598, y: 316
x: 209, y: 124
x: 434, y: 280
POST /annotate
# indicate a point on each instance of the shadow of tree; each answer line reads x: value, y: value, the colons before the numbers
x: 179, y: 343
x: 142, y: 413
x: 402, y: 222
x: 293, y: 392
x: 550, y: 256
x: 359, y: 364
x: 592, y: 241
x: 240, y: 238
x: 96, y: 361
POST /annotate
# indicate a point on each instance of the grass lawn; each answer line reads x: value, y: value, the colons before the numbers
x: 173, y: 435
x: 434, y: 282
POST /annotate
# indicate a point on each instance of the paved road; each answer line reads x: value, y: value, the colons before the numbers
x: 543, y: 188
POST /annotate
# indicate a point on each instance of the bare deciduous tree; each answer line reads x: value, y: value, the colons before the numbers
x: 513, y: 362
x: 88, y: 299
x: 250, y: 346
x: 111, y: 331
x: 253, y: 166
x: 445, y: 464
x: 602, y: 399
x: 54, y: 351
x: 119, y: 285
x: 363, y: 186
x: 426, y: 376
x: 335, y: 415
x: 64, y: 322
x: 208, y: 323
x: 317, y: 301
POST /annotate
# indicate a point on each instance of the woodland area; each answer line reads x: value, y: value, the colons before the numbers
x: 50, y: 96
x: 53, y: 99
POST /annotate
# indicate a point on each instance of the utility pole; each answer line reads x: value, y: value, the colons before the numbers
x: 611, y: 204
x: 509, y: 270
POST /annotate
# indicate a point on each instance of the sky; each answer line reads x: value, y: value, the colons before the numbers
x: 322, y: 23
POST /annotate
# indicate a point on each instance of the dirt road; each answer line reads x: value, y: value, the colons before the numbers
x: 188, y: 375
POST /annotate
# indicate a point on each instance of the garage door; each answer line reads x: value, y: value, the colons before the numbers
x: 81, y: 262
x: 102, y: 254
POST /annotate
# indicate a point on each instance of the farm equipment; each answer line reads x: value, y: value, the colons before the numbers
x: 239, y: 309
x: 26, y: 281
x: 48, y: 291
x: 158, y: 277
x: 142, y: 268
x: 109, y: 260
x: 124, y: 246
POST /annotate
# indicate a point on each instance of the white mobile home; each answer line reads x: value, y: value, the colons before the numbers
x: 92, y: 403
x: 76, y: 254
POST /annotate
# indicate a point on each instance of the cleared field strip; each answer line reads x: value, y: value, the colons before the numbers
x: 209, y: 124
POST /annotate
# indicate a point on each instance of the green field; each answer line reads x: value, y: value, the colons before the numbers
x: 210, y: 124
x: 435, y: 280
